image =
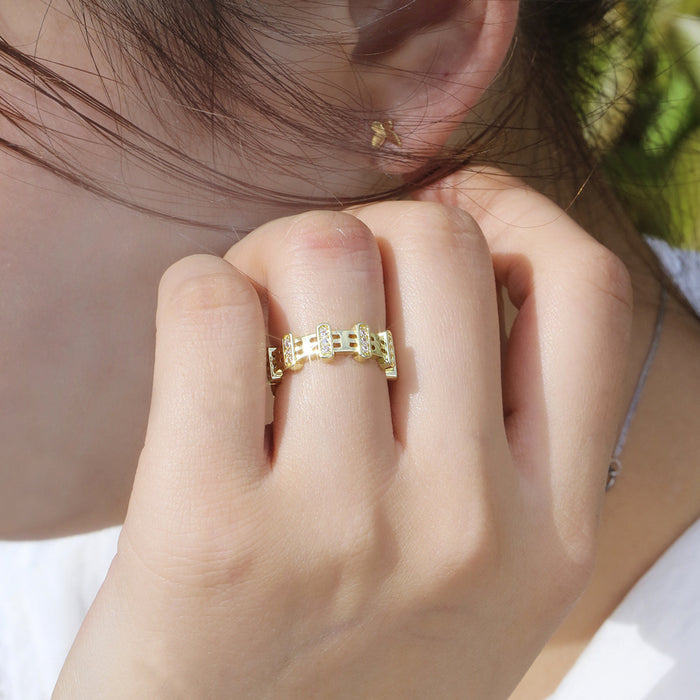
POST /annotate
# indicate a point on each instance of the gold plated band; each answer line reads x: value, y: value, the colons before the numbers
x: 326, y: 343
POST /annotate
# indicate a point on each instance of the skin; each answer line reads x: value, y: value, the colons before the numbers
x: 396, y: 568
x: 78, y: 456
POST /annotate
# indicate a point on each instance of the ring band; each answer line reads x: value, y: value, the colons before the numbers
x: 326, y: 343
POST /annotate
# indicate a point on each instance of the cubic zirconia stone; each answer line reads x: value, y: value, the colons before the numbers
x: 390, y: 348
x: 390, y: 371
x: 388, y: 360
x: 324, y: 336
x: 288, y: 350
x: 364, y: 341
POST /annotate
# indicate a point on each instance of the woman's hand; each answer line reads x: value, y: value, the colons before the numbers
x: 419, y: 539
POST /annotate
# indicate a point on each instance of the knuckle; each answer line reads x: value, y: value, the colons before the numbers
x: 211, y: 293
x: 569, y: 558
x: 361, y: 537
x: 348, y: 563
x: 570, y: 575
x: 607, y: 274
x: 469, y: 557
x: 466, y: 544
x: 466, y: 540
x: 330, y: 236
x: 430, y: 226
x: 355, y: 546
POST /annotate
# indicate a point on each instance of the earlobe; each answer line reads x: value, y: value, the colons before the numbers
x: 425, y: 63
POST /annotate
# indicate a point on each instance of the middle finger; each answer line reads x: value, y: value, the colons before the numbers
x: 442, y: 305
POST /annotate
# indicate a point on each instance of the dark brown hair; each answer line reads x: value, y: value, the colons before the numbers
x: 208, y: 57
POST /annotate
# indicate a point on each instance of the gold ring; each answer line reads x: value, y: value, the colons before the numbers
x: 326, y: 343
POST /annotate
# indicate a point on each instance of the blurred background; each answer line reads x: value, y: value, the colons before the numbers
x: 642, y: 111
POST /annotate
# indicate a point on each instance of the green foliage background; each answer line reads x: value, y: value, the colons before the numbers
x: 647, y: 104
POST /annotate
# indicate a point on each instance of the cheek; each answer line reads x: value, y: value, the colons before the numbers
x: 78, y: 294
x: 74, y: 320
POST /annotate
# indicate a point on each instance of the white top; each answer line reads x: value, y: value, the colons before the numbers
x: 648, y: 649
x: 46, y: 589
x: 683, y: 266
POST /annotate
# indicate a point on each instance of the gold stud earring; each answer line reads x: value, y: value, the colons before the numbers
x: 383, y: 132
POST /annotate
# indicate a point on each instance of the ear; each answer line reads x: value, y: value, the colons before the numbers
x: 425, y: 63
